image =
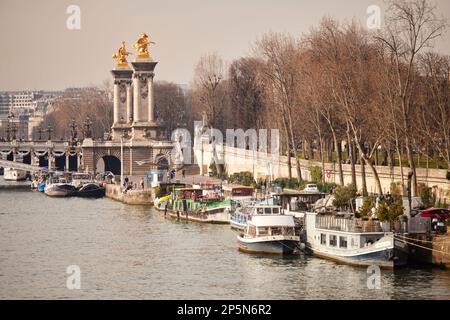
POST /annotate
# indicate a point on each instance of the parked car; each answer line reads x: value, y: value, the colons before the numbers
x: 311, y: 187
x: 434, y: 213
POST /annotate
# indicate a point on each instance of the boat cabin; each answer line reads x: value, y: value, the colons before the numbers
x: 269, y: 225
x: 80, y: 178
x: 267, y: 210
x: 341, y: 233
x: 237, y: 192
x: 296, y: 203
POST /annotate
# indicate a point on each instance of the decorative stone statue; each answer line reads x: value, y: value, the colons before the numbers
x: 121, y: 56
x: 141, y: 46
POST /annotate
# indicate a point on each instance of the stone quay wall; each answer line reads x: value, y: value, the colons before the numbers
x: 137, y: 197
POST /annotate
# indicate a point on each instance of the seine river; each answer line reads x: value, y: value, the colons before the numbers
x: 133, y: 252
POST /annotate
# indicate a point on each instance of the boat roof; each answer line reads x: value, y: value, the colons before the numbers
x: 189, y: 189
x: 273, y: 221
x: 81, y: 174
x: 298, y: 193
x: 231, y: 186
x: 263, y: 205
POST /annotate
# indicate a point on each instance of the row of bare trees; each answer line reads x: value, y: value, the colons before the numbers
x: 382, y: 92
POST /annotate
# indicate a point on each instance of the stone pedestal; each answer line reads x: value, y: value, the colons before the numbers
x: 144, y: 125
x: 122, y: 101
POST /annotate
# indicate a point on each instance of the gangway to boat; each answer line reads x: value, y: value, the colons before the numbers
x: 19, y: 166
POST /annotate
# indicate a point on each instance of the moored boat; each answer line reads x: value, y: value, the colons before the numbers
x: 200, y: 205
x: 90, y: 190
x: 59, y: 187
x: 81, y: 178
x: 353, y: 241
x: 268, y: 230
x: 12, y: 174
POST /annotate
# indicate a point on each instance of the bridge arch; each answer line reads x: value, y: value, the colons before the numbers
x: 109, y: 163
x: 162, y: 161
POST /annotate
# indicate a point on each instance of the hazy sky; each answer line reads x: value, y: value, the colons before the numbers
x: 39, y: 52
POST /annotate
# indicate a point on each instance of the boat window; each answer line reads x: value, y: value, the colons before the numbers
x: 323, y: 239
x: 288, y: 231
x: 333, y: 240
x: 277, y: 231
x: 263, y: 231
x: 260, y: 210
x: 276, y: 210
x: 268, y: 210
x: 342, y: 242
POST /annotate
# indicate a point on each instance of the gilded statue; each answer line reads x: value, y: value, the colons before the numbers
x: 121, y: 56
x: 141, y: 46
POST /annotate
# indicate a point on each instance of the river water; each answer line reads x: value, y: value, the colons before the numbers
x: 133, y: 252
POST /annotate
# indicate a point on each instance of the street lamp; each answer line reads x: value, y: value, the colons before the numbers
x: 73, y: 131
x: 11, y: 127
x: 49, y: 132
x: 40, y: 133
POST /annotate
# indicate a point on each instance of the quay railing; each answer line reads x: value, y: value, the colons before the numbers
x: 330, y: 222
x: 414, y: 225
x: 419, y: 225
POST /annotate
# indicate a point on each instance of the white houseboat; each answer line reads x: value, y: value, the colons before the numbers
x: 268, y: 230
x: 353, y: 241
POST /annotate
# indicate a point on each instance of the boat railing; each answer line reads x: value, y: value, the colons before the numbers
x: 418, y: 225
x: 330, y: 222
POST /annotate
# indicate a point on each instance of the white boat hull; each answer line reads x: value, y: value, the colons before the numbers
x: 270, y: 244
x: 382, y: 254
x: 11, y: 174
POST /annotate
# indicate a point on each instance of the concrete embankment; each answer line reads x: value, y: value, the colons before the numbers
x: 141, y: 197
x: 427, y: 249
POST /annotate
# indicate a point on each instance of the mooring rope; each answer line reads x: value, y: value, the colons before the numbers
x: 296, y: 247
x: 420, y: 240
x: 417, y: 245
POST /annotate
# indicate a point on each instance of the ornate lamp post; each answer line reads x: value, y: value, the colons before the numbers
x: 12, y: 129
x: 73, y: 132
x: 87, y: 128
x: 40, y: 133
x: 8, y: 133
x: 49, y: 132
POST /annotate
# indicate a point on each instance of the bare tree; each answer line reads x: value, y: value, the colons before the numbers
x: 411, y: 26
x: 282, y: 55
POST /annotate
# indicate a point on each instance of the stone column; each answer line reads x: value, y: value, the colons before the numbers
x: 116, y: 107
x: 144, y: 125
x: 122, y: 100
x: 78, y: 162
x: 50, y: 157
x: 136, y: 98
x: 151, y: 107
x: 67, y: 161
x: 129, y: 104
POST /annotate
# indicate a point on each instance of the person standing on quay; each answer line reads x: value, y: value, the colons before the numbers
x: 142, y: 183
